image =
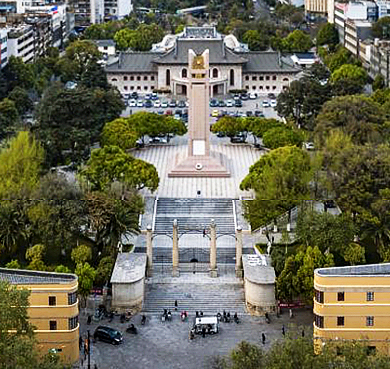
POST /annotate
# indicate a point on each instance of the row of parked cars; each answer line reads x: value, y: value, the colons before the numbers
x: 241, y: 114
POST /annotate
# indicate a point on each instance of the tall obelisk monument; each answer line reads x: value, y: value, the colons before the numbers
x: 199, y: 161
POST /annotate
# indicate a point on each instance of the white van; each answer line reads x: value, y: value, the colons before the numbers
x: 208, y: 323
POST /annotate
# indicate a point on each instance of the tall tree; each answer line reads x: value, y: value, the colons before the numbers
x: 349, y: 79
x: 328, y: 35
x: 280, y: 179
x: 381, y: 28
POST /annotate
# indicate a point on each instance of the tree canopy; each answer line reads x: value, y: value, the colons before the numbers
x: 328, y: 35
x: 349, y: 79
x: 140, y: 39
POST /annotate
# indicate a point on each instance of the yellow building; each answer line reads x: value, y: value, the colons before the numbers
x: 353, y: 303
x: 53, y: 309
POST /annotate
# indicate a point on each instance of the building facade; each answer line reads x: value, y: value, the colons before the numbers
x: 3, y: 47
x: 232, y: 66
x: 53, y: 309
x: 352, y: 303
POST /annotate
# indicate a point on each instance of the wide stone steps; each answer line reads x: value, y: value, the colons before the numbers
x: 207, y: 298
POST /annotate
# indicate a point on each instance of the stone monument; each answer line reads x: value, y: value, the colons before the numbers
x: 199, y: 162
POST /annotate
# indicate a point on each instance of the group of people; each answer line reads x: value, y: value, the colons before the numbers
x: 226, y: 318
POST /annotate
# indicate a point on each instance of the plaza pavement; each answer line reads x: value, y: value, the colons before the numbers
x: 166, y: 345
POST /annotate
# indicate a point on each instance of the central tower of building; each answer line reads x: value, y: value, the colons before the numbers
x: 199, y: 161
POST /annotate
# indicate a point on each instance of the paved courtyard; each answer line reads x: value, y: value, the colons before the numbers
x: 166, y: 345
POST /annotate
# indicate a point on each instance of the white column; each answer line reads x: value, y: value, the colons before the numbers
x: 239, y: 252
x: 175, y: 250
x: 149, y: 251
x: 213, y: 250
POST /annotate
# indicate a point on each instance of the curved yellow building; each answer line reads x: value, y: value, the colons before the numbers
x: 353, y: 303
x: 53, y: 309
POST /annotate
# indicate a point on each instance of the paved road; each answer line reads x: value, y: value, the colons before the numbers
x: 166, y: 345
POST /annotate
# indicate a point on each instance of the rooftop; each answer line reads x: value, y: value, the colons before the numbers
x: 103, y: 43
x: 25, y: 277
x: 129, y: 267
x: 370, y: 270
x: 257, y: 269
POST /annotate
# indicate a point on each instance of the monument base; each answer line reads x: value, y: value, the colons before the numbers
x: 198, y: 166
x: 213, y: 273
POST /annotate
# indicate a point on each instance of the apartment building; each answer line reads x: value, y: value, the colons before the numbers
x: 21, y: 42
x: 53, y: 309
x: 3, y: 47
x: 352, y: 303
x: 316, y: 7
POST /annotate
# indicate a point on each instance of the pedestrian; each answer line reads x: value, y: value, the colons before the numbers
x: 303, y: 333
x: 283, y: 331
x: 203, y: 332
x: 89, y: 319
x: 197, y: 314
x: 201, y: 313
x: 204, y: 232
x: 95, y: 367
x: 291, y: 313
x: 263, y: 338
x: 273, y: 239
x: 257, y: 105
x: 80, y: 343
x: 175, y: 305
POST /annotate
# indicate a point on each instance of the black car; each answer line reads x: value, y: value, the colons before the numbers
x: 172, y: 104
x: 134, y: 95
x: 178, y: 112
x: 238, y: 138
x: 181, y: 104
x: 221, y: 103
x: 259, y: 113
x: 238, y: 104
x: 148, y: 104
x: 271, y: 96
x: 213, y: 103
x: 249, y: 113
x: 107, y: 334
x: 244, y: 97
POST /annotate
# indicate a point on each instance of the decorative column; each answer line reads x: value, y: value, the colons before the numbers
x: 213, y: 250
x: 149, y: 251
x: 239, y: 273
x: 175, y: 250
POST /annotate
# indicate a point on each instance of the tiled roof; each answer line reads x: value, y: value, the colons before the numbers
x: 25, y: 277
x: 102, y: 43
x: 373, y: 270
x: 268, y: 61
x: 219, y: 53
x: 134, y: 62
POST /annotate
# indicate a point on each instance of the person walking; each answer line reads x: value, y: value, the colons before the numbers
x: 175, y: 305
x: 263, y: 338
x: 283, y: 331
x: 303, y: 333
x: 203, y: 332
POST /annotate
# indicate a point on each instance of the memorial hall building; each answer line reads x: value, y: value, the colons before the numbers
x: 232, y: 65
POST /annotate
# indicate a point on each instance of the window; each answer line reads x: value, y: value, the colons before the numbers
x: 145, y: 88
x: 340, y: 320
x: 168, y: 77
x: 246, y: 87
x: 215, y: 73
x: 125, y: 78
x: 138, y: 87
x: 184, y: 73
x: 253, y: 87
x: 254, y: 78
x: 152, y: 88
x: 114, y: 80
x: 131, y: 78
x: 261, y: 78
x: 131, y: 88
x: 53, y: 325
x: 369, y: 321
x: 319, y: 321
x: 231, y: 77
x: 370, y: 296
x: 72, y: 298
x: 274, y: 78
x: 267, y: 87
x: 274, y: 87
x: 371, y: 350
x: 246, y: 78
x: 72, y: 322
x: 152, y: 78
x: 125, y: 88
x: 52, y: 301
x: 260, y: 87
x: 267, y: 78
x: 145, y: 78
x: 340, y: 296
x: 285, y: 79
x: 138, y: 78
x: 319, y: 296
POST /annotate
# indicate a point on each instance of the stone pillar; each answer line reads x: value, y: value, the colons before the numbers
x: 175, y: 250
x: 149, y: 251
x: 239, y: 273
x: 213, y: 250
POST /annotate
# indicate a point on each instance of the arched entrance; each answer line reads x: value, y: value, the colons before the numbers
x: 215, y: 90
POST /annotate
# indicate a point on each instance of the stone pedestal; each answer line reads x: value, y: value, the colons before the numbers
x: 175, y: 250
x: 239, y: 272
x: 149, y: 251
x: 213, y: 250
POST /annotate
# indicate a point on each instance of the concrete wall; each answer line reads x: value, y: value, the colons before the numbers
x: 128, y: 295
x: 128, y: 82
x: 266, y: 83
x: 259, y: 298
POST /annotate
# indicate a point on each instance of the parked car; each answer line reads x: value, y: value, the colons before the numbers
x: 265, y: 104
x: 172, y: 104
x: 238, y: 138
x: 148, y: 104
x: 238, y: 104
x: 158, y: 139
x: 253, y: 96
x: 273, y: 103
x: 181, y: 104
x: 140, y: 104
x: 213, y: 103
x: 259, y: 113
x: 229, y: 103
x: 107, y: 334
x: 148, y: 96
x: 236, y: 97
x: 168, y: 112
x: 154, y: 96
x: 178, y: 112
x: 206, y: 324
x: 221, y: 134
x: 160, y: 112
x: 215, y: 113
x: 249, y: 113
x: 133, y: 103
x: 221, y: 103
x: 272, y: 96
x: 134, y: 95
x: 164, y: 104
x: 244, y: 96
x: 157, y: 104
x: 308, y: 146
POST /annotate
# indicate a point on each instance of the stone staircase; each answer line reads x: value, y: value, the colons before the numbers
x: 194, y: 297
x: 194, y: 215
